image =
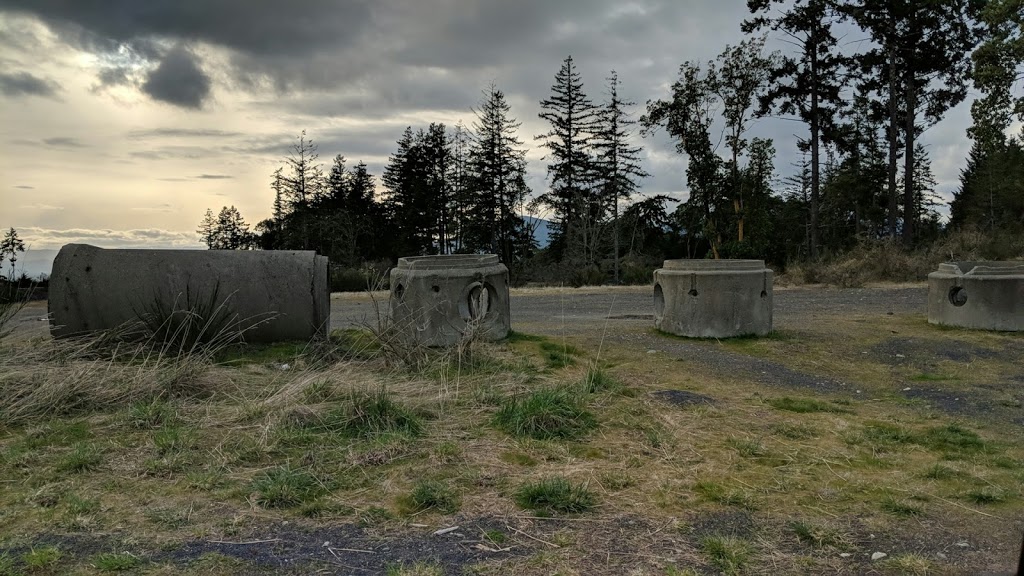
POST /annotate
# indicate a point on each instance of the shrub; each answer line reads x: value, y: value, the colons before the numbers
x: 545, y: 414
x: 285, y: 487
x: 554, y: 495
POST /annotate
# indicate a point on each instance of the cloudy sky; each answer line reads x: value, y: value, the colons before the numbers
x: 121, y: 121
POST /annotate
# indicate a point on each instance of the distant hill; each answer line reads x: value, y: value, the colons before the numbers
x: 542, y: 232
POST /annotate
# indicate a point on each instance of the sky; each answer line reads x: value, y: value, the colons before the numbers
x: 122, y: 121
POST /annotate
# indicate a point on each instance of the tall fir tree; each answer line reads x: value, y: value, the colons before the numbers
x: 497, y: 177
x: 806, y: 84
x: 576, y: 208
x: 617, y: 160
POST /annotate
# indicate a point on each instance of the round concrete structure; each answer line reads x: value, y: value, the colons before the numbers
x: 436, y: 300
x: 984, y: 295
x: 276, y: 294
x: 713, y: 298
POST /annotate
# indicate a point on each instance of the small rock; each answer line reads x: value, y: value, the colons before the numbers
x: 906, y: 389
x: 878, y: 556
x: 285, y: 367
x: 652, y: 351
x: 900, y: 356
x: 858, y: 391
x: 941, y: 556
x: 326, y: 544
x: 963, y: 544
x: 845, y: 554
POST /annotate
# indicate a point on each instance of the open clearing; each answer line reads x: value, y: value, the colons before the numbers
x: 586, y: 443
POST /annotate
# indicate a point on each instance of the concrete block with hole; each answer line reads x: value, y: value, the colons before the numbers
x: 439, y: 300
x: 984, y: 295
x: 713, y: 298
x: 274, y: 295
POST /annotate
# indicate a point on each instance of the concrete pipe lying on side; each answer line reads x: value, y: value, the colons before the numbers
x: 438, y: 300
x: 274, y: 295
x: 713, y: 298
x: 985, y: 295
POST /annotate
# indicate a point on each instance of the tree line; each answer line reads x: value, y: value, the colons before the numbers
x: 862, y: 173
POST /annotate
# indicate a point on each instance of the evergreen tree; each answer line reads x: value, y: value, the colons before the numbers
x: 998, y: 63
x: 991, y: 194
x: 497, y: 177
x: 207, y: 230
x: 918, y: 68
x: 806, y: 84
x: 577, y: 209
x: 616, y: 160
x: 226, y: 231
x: 9, y: 248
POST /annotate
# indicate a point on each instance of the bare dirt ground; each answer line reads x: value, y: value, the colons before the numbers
x: 867, y: 350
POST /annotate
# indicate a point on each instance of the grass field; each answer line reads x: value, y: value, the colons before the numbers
x: 577, y: 455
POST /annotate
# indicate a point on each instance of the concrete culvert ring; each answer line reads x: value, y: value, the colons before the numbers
x: 659, y: 301
x: 957, y: 296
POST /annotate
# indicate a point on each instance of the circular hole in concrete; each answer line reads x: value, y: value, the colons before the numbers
x: 693, y: 292
x: 435, y: 288
x: 479, y: 301
x: 399, y: 291
x: 957, y: 296
x: 659, y: 301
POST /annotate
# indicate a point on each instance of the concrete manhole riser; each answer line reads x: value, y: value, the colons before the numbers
x: 274, y: 294
x: 713, y: 298
x: 981, y: 295
x: 437, y: 300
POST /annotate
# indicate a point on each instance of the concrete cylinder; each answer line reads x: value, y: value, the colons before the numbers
x: 984, y: 295
x: 713, y: 298
x: 436, y: 300
x: 275, y: 294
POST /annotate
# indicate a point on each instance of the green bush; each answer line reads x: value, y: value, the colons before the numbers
x: 555, y: 494
x: 545, y: 414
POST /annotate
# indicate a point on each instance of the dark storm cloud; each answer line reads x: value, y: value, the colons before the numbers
x: 179, y: 133
x: 64, y: 142
x: 25, y: 84
x: 178, y: 80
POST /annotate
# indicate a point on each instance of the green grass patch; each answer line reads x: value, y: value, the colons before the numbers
x: 42, y: 558
x: 794, y: 431
x: 171, y: 440
x: 728, y: 554
x: 518, y: 458
x: 84, y: 457
x: 414, y: 569
x: 431, y: 494
x: 545, y: 414
x: 154, y: 414
x: 952, y: 438
x: 258, y: 353
x: 514, y: 337
x: 804, y: 405
x: 901, y: 507
x: 715, y: 492
x: 926, y: 377
x: 115, y: 562
x: 987, y: 495
x: 559, y: 355
x: 78, y: 506
x: 555, y: 495
x: 286, y: 487
x: 598, y: 380
x: 370, y: 414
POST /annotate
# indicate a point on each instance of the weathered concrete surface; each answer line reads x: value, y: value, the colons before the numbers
x: 713, y: 298
x: 435, y: 300
x: 283, y: 295
x: 985, y: 295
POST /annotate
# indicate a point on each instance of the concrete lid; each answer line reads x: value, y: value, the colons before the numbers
x: 984, y: 268
x: 702, y: 265
x: 448, y: 261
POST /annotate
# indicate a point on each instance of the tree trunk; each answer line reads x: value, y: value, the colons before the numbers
x: 909, y: 212
x: 892, y: 137
x: 815, y: 143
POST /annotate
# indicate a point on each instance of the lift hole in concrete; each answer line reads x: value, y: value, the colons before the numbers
x: 399, y: 292
x: 478, y: 301
x: 659, y: 301
x: 957, y: 296
x: 693, y: 292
